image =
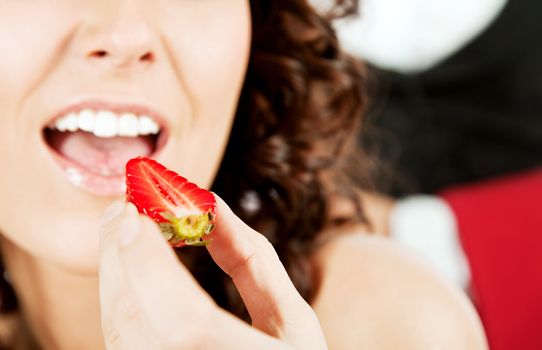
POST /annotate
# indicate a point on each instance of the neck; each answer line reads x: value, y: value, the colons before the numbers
x: 61, y: 309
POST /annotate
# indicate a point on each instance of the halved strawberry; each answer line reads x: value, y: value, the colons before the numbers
x: 184, y: 211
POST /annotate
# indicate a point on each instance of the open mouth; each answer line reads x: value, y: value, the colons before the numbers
x: 92, y: 146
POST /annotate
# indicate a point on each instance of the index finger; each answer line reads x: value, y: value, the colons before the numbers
x: 176, y: 310
x: 272, y: 300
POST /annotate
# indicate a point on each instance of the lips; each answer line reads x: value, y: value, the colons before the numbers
x: 92, y: 142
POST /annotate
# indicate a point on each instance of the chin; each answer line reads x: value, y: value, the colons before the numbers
x: 70, y: 245
x: 76, y: 250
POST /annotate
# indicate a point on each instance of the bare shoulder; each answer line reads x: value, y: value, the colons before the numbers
x: 374, y: 294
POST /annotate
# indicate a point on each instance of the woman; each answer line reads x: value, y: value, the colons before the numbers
x: 86, y: 85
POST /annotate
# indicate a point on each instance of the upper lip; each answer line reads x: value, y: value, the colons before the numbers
x: 116, y: 107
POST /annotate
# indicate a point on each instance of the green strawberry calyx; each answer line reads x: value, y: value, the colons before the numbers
x: 187, y: 230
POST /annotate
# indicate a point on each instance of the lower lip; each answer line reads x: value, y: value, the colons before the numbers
x: 100, y: 185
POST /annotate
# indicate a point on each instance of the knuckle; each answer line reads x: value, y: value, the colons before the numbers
x: 128, y: 308
x: 262, y: 252
x: 240, y: 264
x: 110, y: 332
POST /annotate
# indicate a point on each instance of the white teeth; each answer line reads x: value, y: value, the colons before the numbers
x: 60, y: 124
x: 128, y: 125
x: 147, y: 126
x: 71, y: 122
x: 107, y: 124
x: 85, y: 120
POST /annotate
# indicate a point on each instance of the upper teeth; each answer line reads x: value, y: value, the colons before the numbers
x: 107, y: 123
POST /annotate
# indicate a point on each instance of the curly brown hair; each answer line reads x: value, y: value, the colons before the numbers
x: 292, y: 140
x: 293, y: 136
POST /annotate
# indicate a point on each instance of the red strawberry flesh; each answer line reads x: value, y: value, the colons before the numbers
x: 185, y: 212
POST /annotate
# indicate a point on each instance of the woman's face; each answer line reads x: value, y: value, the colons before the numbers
x: 86, y: 85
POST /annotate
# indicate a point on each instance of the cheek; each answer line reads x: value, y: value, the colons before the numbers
x: 215, y: 60
x: 211, y: 55
x: 30, y: 36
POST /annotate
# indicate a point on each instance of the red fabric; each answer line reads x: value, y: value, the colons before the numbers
x: 500, y: 224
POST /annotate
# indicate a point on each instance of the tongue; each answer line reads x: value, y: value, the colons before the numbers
x: 104, y: 156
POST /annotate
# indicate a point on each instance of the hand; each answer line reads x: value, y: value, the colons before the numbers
x: 149, y: 300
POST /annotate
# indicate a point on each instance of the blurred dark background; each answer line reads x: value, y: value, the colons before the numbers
x: 456, y: 88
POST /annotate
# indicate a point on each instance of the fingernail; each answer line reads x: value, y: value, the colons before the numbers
x: 128, y: 231
x: 113, y: 211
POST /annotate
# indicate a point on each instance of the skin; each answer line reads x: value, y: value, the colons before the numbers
x: 115, y: 278
x: 55, y: 43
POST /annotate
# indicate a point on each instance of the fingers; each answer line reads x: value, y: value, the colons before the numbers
x: 150, y: 301
x: 176, y: 306
x: 120, y: 312
x: 272, y: 300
